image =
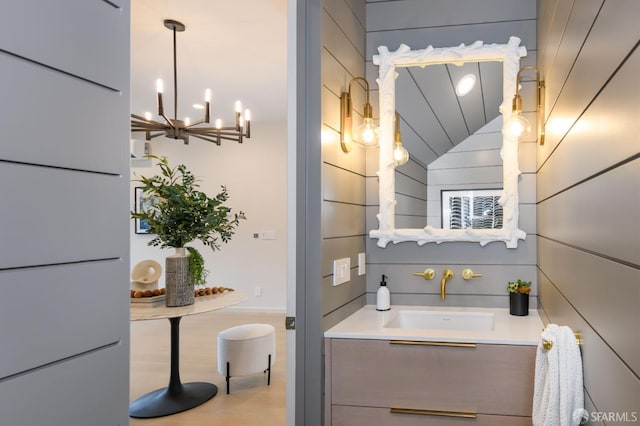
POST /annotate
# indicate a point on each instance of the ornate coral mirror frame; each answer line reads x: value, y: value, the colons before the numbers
x: 509, y: 54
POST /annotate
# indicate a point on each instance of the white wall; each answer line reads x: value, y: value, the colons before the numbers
x: 254, y: 172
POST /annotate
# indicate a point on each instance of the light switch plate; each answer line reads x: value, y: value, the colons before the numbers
x: 341, y: 271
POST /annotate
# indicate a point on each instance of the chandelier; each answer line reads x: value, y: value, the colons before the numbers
x: 182, y: 129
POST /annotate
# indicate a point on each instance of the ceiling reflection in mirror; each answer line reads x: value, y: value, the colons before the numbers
x: 438, y: 128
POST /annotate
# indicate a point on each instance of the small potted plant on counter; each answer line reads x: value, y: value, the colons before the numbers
x: 519, y: 297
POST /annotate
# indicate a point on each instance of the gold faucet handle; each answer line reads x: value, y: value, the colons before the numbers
x: 427, y: 274
x: 467, y: 274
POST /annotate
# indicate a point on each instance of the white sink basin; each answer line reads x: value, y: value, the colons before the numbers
x: 442, y: 320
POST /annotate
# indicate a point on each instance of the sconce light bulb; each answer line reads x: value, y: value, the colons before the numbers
x: 517, y: 126
x: 367, y: 133
x: 148, y: 116
x: 159, y: 86
x: 400, y: 155
x: 207, y: 95
x: 218, y: 123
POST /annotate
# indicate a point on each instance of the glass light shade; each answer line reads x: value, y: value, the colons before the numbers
x: 465, y: 84
x: 400, y: 154
x: 517, y: 126
x: 367, y: 133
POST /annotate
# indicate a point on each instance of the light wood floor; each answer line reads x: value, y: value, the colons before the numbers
x: 251, y: 401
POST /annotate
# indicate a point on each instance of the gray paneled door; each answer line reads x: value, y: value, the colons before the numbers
x: 64, y: 203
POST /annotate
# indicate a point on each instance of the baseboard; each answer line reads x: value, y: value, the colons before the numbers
x: 257, y: 309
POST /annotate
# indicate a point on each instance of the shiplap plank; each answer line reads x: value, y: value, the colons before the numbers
x: 558, y: 62
x: 339, y: 248
x: 332, y: 152
x: 596, y: 216
x: 336, y: 296
x: 406, y: 205
x: 610, y: 40
x: 459, y: 160
x: 89, y: 47
x: 605, y: 293
x: 349, y: 307
x: 334, y: 40
x: 53, y: 330
x: 342, y: 185
x: 420, y: 38
x: 468, y: 176
x: 68, y: 136
x: 57, y: 215
x: 454, y: 253
x: 609, y: 382
x: 78, y: 391
x: 344, y: 16
x: 608, y: 119
x: 408, y: 186
x: 385, y: 16
x: 340, y: 220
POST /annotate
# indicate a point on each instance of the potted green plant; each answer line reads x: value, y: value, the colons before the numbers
x: 180, y: 214
x: 519, y: 297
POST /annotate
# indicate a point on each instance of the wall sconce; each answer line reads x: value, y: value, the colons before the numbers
x: 400, y: 153
x: 518, y: 126
x: 367, y: 133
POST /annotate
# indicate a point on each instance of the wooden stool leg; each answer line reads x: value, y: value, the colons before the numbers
x: 269, y: 372
x: 228, y: 377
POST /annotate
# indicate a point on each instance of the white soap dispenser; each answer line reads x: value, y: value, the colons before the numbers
x: 383, y: 298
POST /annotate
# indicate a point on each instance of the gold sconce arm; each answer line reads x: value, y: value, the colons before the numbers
x: 517, y: 123
x: 366, y: 133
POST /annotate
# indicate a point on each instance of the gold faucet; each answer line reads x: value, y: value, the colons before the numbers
x: 447, y: 274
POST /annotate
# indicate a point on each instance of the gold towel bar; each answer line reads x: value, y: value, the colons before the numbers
x: 548, y: 344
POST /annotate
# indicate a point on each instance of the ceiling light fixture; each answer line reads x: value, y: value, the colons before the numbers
x: 367, y: 133
x: 518, y: 126
x: 182, y: 129
x: 400, y: 153
x: 465, y: 84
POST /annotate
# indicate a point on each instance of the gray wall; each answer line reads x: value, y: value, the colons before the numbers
x: 588, y: 184
x: 64, y: 177
x: 343, y: 174
x: 449, y: 23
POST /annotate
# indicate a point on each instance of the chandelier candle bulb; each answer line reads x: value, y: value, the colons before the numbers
x: 238, y: 106
x: 207, y: 95
x: 187, y: 121
x: 218, y: 123
x: 148, y: 116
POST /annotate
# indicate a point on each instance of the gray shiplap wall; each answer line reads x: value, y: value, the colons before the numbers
x: 588, y: 196
x: 448, y: 23
x: 343, y: 174
x: 64, y: 178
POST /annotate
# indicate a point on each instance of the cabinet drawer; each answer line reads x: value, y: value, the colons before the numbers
x: 366, y: 416
x: 496, y: 379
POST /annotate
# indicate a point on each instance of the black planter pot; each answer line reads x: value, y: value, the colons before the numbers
x: 519, y: 304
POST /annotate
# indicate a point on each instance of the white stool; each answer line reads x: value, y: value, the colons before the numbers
x: 246, y: 349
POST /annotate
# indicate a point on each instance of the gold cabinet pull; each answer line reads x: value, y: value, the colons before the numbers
x: 420, y: 343
x: 467, y: 274
x: 433, y: 413
x: 427, y: 274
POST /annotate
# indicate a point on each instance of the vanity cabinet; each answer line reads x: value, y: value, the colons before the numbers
x: 418, y: 383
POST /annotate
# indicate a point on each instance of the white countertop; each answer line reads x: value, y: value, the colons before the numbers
x: 367, y: 323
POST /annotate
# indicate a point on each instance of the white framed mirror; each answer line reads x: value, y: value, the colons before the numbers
x: 388, y: 62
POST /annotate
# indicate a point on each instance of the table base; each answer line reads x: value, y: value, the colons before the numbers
x: 161, y: 402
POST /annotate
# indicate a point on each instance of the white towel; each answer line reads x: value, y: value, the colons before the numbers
x: 558, y: 398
